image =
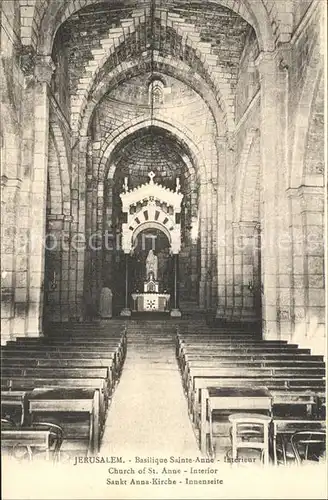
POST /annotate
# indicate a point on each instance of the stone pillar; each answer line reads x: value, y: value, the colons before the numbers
x: 78, y: 240
x: 246, y: 271
x: 126, y: 311
x: 270, y: 136
x: 175, y: 312
x: 308, y: 292
x: 312, y: 210
x: 10, y: 276
x: 57, y: 267
x: 65, y: 266
x: 203, y: 246
x: 221, y: 231
x: 226, y: 155
x: 53, y: 268
x: 43, y: 73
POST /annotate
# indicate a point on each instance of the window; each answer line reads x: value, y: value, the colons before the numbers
x: 156, y: 93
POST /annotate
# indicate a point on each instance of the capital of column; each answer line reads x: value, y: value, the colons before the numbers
x: 27, y: 59
x: 84, y: 142
x: 68, y: 218
x: 44, y: 68
x: 10, y: 182
x: 312, y: 198
x: 268, y: 62
x: 246, y: 228
x: 292, y: 193
x: 304, y: 193
x: 61, y: 217
x: 227, y: 140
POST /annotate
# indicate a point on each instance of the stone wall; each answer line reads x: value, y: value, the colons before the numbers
x: 13, y: 214
x: 297, y: 305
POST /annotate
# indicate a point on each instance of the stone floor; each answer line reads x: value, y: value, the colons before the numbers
x: 148, y: 414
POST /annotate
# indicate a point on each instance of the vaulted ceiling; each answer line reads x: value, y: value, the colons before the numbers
x: 200, y: 43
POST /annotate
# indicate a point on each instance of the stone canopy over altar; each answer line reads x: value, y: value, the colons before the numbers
x: 151, y: 242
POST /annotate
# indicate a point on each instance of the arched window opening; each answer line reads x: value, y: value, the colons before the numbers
x: 156, y: 93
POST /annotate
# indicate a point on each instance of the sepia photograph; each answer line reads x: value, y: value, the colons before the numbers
x: 163, y: 249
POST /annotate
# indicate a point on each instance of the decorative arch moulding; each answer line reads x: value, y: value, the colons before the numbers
x: 152, y: 190
x: 151, y: 215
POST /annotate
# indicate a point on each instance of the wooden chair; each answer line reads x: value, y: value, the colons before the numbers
x: 250, y: 431
x: 56, y: 437
x: 15, y: 403
x: 284, y: 429
x: 308, y: 445
x: 28, y: 442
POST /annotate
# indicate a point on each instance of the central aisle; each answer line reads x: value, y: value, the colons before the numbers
x: 148, y: 414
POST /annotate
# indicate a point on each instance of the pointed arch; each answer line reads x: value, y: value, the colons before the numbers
x: 60, y: 146
x: 181, y: 133
x: 247, y: 175
x: 303, y: 118
x: 165, y: 65
x: 252, y: 11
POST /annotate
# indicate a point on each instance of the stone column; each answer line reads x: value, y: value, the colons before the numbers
x: 78, y: 240
x: 175, y: 312
x: 57, y: 267
x: 43, y: 73
x: 224, y: 230
x: 126, y: 311
x: 312, y: 210
x: 270, y: 134
x: 246, y: 271
x: 65, y: 265
x: 203, y: 245
x: 10, y: 276
x: 308, y: 292
x: 221, y: 231
x: 53, y: 268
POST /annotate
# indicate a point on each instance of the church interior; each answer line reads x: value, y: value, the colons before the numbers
x: 163, y: 228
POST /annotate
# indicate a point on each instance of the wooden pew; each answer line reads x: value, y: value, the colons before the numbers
x: 12, y: 400
x: 116, y: 350
x: 88, y: 337
x: 31, y: 439
x: 51, y: 372
x: 212, y: 398
x: 257, y: 399
x: 292, y: 375
x: 315, y: 385
x: 195, y: 368
x: 36, y: 361
x: 235, y: 348
x: 60, y: 362
x: 50, y: 400
x: 229, y: 349
x: 204, y: 339
x: 248, y: 359
x: 114, y: 368
x: 13, y: 385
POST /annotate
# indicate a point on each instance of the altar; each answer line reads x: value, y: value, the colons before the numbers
x: 151, y: 208
x: 151, y: 300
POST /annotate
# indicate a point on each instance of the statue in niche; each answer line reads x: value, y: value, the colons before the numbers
x: 151, y: 265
